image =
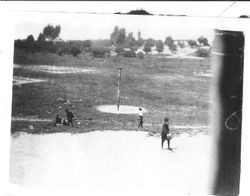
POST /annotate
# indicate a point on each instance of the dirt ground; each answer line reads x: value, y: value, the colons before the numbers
x: 112, y: 162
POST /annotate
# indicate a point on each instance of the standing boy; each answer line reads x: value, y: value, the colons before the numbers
x: 165, y: 133
x: 140, y: 118
x: 70, y: 117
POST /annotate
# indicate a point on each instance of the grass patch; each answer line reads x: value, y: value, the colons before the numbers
x: 179, y: 94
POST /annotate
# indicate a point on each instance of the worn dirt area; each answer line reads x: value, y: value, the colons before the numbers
x: 111, y: 161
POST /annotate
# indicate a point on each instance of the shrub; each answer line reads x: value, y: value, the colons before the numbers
x: 173, y: 47
x: 75, y: 51
x: 181, y: 44
x: 140, y: 55
x: 100, y: 52
x: 201, y: 52
x: 192, y: 43
x: 147, y: 48
x: 129, y: 53
x: 60, y: 53
x: 119, y: 50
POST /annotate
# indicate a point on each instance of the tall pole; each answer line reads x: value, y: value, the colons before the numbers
x: 118, y: 89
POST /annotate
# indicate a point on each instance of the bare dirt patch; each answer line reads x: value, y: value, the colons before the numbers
x: 123, y: 109
x: 203, y: 74
x: 59, y: 69
x: 97, y: 161
x: 18, y: 80
x: 31, y: 119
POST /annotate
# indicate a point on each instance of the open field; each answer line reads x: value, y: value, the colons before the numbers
x: 173, y: 87
x: 104, y: 152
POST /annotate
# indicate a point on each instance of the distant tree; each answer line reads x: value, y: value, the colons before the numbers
x: 138, y: 35
x: 170, y: 43
x: 30, y: 39
x: 147, y: 47
x: 29, y: 44
x: 19, y: 44
x: 75, y: 51
x: 121, y: 36
x: 181, y: 44
x: 201, y: 52
x: 114, y: 34
x: 41, y: 42
x: 203, y: 41
x: 173, y: 48
x: 41, y: 37
x: 118, y: 36
x: 86, y: 43
x: 51, y: 32
x: 159, y: 46
x: 139, y: 41
x: 151, y: 42
x: 130, y: 41
x: 192, y: 43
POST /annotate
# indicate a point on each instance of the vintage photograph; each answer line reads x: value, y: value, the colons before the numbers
x: 126, y: 102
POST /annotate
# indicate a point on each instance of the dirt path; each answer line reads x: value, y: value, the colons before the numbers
x: 32, y: 119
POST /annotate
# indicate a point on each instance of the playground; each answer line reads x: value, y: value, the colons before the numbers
x: 105, y: 151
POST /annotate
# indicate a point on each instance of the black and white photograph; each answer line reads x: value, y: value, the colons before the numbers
x: 129, y: 99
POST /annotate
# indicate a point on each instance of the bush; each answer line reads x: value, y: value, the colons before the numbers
x: 181, y: 44
x: 60, y: 53
x: 147, y: 48
x: 173, y: 47
x: 75, y: 51
x: 201, y: 52
x: 119, y: 50
x: 100, y: 52
x: 63, y: 47
x: 140, y: 55
x: 129, y: 53
x: 192, y: 43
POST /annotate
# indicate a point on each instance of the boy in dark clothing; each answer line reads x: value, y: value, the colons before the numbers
x: 164, y: 133
x: 58, y: 120
x: 70, y: 117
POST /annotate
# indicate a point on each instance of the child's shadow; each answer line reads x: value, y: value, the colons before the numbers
x: 171, y: 149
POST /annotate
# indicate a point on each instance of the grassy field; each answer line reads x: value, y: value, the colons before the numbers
x: 165, y: 87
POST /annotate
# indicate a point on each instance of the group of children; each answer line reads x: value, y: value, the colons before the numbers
x: 165, y: 133
x: 68, y: 121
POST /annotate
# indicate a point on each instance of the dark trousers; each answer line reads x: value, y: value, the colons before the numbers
x: 70, y: 121
x: 163, y: 140
x: 140, y: 122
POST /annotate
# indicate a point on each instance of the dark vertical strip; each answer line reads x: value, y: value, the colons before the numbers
x: 228, y: 53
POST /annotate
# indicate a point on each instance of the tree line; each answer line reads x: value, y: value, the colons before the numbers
x: 120, y: 42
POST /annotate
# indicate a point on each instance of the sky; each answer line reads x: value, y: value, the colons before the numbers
x: 78, y: 24
x: 100, y: 26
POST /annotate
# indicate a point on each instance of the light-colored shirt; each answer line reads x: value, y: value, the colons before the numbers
x: 140, y: 113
